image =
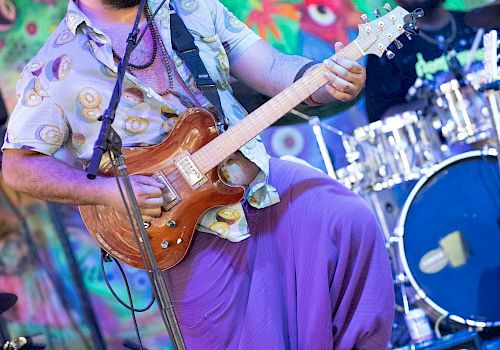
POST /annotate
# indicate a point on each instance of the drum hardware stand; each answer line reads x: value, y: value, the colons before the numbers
x: 400, y: 278
x: 316, y: 128
x: 316, y: 125
x: 109, y: 140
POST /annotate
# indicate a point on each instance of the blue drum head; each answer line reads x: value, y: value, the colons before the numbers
x: 450, y: 245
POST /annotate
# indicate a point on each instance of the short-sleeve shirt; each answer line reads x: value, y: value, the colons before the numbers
x: 65, y: 88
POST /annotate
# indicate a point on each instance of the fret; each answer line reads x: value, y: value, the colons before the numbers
x: 253, y: 124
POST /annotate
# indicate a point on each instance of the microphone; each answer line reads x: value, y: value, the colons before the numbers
x: 494, y: 85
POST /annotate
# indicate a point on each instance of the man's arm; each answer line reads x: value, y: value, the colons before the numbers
x: 52, y: 180
x: 269, y: 71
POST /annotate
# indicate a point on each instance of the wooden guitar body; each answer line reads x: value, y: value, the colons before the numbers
x: 171, y: 234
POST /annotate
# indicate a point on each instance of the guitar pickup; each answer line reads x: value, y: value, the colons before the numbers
x: 190, y: 171
x: 169, y: 195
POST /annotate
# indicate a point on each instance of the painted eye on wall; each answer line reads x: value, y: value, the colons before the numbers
x: 321, y: 14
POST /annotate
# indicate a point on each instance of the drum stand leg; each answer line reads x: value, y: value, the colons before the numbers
x: 387, y: 228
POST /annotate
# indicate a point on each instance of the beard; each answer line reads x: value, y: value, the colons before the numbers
x: 121, y: 4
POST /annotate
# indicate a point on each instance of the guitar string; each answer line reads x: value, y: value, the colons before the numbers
x: 230, y: 140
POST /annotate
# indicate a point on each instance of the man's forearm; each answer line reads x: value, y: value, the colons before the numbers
x: 267, y: 70
x: 49, y: 179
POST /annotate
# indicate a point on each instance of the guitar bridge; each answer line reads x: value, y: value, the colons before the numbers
x: 169, y: 195
x: 190, y: 171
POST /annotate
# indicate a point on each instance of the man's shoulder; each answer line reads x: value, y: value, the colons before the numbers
x: 60, y: 37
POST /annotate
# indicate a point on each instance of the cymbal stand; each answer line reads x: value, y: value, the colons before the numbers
x: 316, y: 127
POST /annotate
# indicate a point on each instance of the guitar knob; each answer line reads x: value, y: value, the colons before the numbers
x: 171, y: 224
x: 389, y: 54
x: 164, y: 245
x: 399, y: 44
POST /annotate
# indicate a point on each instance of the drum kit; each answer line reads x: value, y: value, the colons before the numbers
x: 439, y: 209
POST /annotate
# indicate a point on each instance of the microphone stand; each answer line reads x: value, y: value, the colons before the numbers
x: 109, y: 140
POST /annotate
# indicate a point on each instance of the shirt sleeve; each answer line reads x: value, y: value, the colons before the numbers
x: 37, y: 122
x: 233, y: 33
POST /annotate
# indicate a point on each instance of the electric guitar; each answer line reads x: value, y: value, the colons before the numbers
x: 187, y: 160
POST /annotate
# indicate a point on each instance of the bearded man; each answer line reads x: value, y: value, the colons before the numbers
x: 304, y: 266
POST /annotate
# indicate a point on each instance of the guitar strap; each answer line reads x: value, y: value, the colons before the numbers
x: 183, y: 44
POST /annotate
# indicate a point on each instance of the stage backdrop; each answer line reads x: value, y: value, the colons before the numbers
x: 48, y: 302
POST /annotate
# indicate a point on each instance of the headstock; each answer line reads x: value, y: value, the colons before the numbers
x: 375, y: 36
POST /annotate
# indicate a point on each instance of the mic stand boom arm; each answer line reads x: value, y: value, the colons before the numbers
x: 108, y: 139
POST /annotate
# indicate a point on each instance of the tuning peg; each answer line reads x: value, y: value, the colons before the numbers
x: 389, y: 54
x: 408, y: 35
x: 376, y: 12
x: 418, y: 13
x: 387, y: 7
x: 411, y: 27
x: 364, y: 17
x: 399, y: 44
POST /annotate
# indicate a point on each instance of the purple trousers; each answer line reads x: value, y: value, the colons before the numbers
x: 313, y: 275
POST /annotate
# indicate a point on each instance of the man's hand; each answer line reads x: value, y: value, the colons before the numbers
x: 147, y: 191
x: 346, y: 79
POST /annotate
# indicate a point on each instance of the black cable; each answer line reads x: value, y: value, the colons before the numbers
x: 131, y: 307
x: 120, y: 300
x: 105, y: 256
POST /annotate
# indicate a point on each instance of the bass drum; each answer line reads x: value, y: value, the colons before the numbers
x: 449, y: 239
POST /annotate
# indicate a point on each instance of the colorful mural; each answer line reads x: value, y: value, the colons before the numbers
x: 33, y: 264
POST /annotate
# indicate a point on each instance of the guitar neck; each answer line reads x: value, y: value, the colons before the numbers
x: 217, y: 150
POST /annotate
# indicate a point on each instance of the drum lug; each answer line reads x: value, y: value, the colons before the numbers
x: 395, y: 239
x: 400, y: 279
x: 399, y: 232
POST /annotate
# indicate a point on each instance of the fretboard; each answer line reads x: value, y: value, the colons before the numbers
x: 217, y: 150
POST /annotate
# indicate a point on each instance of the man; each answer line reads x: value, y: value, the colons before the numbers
x: 309, y: 270
x: 434, y: 57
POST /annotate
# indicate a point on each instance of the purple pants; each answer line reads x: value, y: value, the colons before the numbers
x: 313, y: 275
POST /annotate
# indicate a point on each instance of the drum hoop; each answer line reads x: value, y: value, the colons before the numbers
x: 399, y: 232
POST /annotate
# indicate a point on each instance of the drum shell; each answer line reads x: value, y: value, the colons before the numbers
x: 385, y: 153
x: 463, y: 111
x: 460, y: 200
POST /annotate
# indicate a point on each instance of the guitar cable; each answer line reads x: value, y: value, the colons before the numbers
x: 106, y: 257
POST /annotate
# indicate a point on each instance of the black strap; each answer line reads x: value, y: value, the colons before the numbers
x: 183, y: 44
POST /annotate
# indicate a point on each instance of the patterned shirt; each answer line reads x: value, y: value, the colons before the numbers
x: 66, y: 87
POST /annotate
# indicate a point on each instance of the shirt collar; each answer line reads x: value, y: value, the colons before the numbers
x: 75, y: 17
